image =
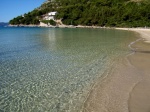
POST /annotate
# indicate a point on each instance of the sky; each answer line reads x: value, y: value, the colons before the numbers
x: 13, y: 8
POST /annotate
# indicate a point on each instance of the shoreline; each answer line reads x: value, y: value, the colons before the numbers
x: 144, y: 32
x: 58, y: 26
x: 121, y: 89
x: 126, y: 88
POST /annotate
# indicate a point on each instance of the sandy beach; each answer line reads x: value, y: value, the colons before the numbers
x: 126, y: 88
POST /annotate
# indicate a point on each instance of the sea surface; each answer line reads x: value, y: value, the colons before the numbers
x: 53, y: 69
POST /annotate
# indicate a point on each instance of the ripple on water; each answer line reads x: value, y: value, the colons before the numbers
x: 53, y: 69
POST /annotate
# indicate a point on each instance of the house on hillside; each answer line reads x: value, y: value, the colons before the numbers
x: 50, y: 16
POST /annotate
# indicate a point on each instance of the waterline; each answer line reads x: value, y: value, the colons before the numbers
x: 44, y: 69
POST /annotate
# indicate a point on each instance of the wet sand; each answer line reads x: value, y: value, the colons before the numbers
x: 127, y: 87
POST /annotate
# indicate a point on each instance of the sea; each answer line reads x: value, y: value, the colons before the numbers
x: 54, y: 69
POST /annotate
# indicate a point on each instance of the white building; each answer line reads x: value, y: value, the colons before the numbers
x: 50, y: 16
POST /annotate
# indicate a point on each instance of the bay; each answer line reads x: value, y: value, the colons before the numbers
x: 53, y: 69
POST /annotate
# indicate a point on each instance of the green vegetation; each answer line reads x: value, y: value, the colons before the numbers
x: 51, y: 22
x: 27, y: 19
x: 114, y: 13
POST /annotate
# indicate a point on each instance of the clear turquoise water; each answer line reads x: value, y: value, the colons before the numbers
x: 46, y: 69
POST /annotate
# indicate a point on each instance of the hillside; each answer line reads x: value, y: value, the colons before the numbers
x: 2, y: 24
x: 116, y: 13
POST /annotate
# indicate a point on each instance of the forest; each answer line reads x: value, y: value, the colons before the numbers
x: 112, y: 13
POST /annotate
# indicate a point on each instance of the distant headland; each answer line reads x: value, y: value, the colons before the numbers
x: 2, y: 24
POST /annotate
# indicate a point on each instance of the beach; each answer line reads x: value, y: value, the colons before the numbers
x: 53, y: 69
x: 126, y: 87
x: 36, y: 62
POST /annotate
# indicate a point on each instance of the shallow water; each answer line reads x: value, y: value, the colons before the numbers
x: 46, y: 69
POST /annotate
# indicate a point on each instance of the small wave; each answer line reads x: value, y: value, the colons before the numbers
x: 135, y: 49
x: 130, y: 45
